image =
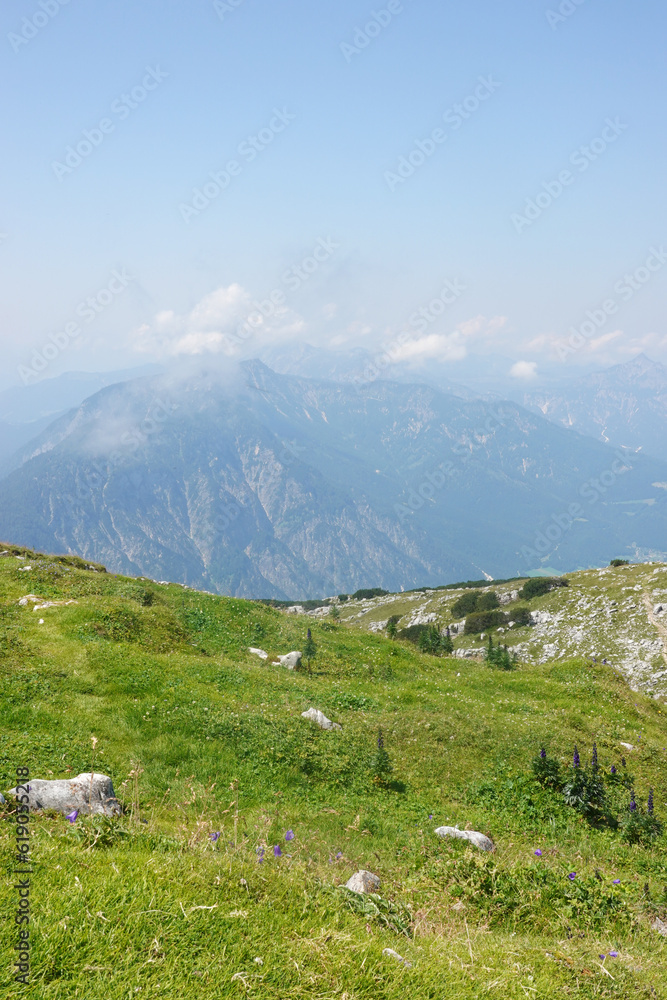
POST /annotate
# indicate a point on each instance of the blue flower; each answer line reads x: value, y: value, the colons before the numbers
x: 575, y: 758
x: 277, y: 852
x: 289, y: 835
x: 260, y: 854
x: 215, y: 837
x: 538, y: 853
x: 649, y: 808
x: 572, y: 876
x: 72, y: 816
x: 543, y: 753
x: 616, y: 881
x: 613, y: 954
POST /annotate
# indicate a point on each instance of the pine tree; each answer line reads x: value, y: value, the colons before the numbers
x: 309, y: 649
x: 381, y: 763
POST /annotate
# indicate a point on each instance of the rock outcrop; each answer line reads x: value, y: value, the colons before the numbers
x: 87, y: 793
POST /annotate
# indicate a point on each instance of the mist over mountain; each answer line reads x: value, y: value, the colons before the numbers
x: 27, y: 410
x: 258, y: 484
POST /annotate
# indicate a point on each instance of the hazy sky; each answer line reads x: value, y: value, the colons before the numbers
x: 400, y: 140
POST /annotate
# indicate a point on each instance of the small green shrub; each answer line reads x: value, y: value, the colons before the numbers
x: 537, y: 586
x: 639, y: 825
x: 521, y: 616
x: 487, y: 602
x: 482, y: 621
x: 466, y: 604
x: 367, y: 595
x: 619, y: 562
x: 546, y: 771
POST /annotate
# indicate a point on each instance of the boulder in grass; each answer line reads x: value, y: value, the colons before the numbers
x: 478, y: 839
x: 80, y: 794
x: 258, y: 652
x: 290, y: 660
x: 320, y: 719
x: 363, y: 882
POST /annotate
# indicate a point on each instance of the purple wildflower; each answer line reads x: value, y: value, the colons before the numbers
x: 594, y: 761
x: 538, y: 853
x: 215, y: 837
x: 623, y: 764
x: 72, y: 816
x: 613, y: 954
x: 603, y: 957
x: 572, y: 876
x: 649, y: 808
x: 308, y: 635
x: 543, y: 753
x: 277, y: 852
x: 339, y: 856
x: 260, y: 854
x: 380, y: 740
x: 633, y: 804
x: 616, y: 881
x: 613, y: 769
x: 430, y: 815
x: 575, y: 758
x: 289, y: 835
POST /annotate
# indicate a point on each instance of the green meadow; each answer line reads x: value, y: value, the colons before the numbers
x: 195, y: 891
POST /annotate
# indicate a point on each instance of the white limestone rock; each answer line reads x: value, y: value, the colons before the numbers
x: 320, y: 719
x: 478, y: 839
x: 87, y: 793
x: 290, y: 660
x: 363, y: 882
x: 258, y: 652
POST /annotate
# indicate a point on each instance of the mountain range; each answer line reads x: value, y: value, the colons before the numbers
x: 253, y: 483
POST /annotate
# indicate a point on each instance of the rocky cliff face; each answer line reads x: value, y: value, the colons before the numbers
x: 263, y: 485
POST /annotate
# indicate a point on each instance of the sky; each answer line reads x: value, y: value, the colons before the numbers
x: 187, y: 178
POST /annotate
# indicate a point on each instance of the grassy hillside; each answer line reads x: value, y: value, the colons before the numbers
x: 200, y: 737
x: 603, y: 613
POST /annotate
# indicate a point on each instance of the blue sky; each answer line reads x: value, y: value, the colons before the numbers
x: 331, y: 123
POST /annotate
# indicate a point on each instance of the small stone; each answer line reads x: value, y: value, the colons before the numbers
x: 258, y: 652
x: 399, y: 958
x: 478, y: 839
x: 363, y: 882
x: 314, y: 715
x: 660, y: 926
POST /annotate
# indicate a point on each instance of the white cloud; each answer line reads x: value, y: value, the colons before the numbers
x: 226, y: 321
x: 524, y: 370
x: 435, y: 346
x: 605, y: 339
x: 482, y: 325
